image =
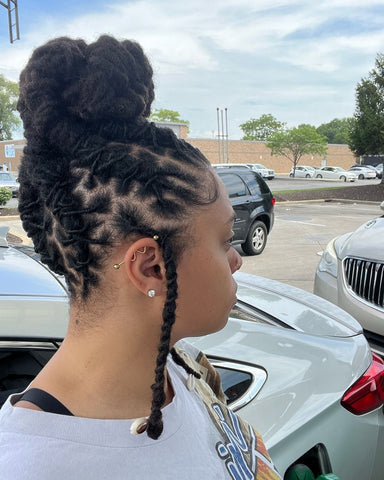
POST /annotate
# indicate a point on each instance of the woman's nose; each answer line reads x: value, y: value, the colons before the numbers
x: 235, y: 260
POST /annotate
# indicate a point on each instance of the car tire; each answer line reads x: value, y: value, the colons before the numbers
x: 307, y: 175
x: 343, y: 178
x: 361, y: 176
x: 256, y: 239
x: 319, y: 176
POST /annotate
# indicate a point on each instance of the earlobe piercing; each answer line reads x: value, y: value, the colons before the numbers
x: 151, y: 293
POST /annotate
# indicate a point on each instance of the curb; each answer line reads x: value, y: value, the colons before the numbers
x: 24, y: 239
x: 328, y: 200
x: 5, y: 218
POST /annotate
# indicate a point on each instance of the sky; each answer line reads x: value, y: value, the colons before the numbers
x: 298, y: 60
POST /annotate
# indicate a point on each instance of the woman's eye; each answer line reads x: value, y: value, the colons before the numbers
x: 229, y: 241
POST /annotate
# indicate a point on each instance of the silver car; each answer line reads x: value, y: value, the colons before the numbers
x: 350, y: 274
x: 7, y: 180
x: 335, y: 173
x: 291, y: 363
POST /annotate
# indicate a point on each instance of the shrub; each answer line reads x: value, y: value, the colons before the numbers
x: 5, y: 195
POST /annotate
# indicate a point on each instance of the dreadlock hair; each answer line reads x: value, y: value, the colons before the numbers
x: 95, y: 171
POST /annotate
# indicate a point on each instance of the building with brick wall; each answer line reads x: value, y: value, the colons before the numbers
x: 231, y: 151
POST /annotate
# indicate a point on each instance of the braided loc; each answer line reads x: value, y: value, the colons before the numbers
x: 95, y: 172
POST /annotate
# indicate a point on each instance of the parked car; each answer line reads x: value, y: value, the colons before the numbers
x: 363, y: 172
x: 377, y: 168
x: 256, y: 167
x: 302, y: 171
x: 350, y: 274
x: 253, y: 204
x: 335, y: 173
x: 7, y: 180
x: 262, y: 170
x: 292, y: 364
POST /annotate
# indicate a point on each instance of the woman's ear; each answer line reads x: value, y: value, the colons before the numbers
x: 144, y: 266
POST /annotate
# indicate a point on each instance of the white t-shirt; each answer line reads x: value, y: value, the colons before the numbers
x: 37, y: 445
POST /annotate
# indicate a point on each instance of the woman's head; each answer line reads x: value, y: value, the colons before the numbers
x: 96, y: 174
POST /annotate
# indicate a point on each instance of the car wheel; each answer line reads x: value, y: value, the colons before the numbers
x: 361, y: 176
x: 307, y: 175
x: 256, y: 239
x: 291, y: 174
x: 343, y: 178
x: 319, y: 176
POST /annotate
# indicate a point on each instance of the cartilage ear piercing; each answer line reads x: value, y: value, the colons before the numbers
x: 133, y: 259
x: 116, y: 266
x: 151, y: 293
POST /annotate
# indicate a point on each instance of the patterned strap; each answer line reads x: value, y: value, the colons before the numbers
x: 45, y: 401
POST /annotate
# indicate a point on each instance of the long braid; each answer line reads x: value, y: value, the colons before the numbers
x: 155, y: 422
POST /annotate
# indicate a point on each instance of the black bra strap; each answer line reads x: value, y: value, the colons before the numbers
x: 45, y: 401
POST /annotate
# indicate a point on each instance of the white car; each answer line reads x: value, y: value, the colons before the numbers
x: 262, y: 170
x: 256, y: 167
x: 350, y: 274
x: 292, y: 364
x: 335, y: 173
x: 363, y: 172
x: 7, y: 180
x: 302, y: 171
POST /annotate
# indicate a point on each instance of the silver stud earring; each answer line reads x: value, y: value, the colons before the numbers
x: 151, y: 293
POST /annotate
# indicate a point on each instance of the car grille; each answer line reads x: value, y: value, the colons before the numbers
x: 366, y: 279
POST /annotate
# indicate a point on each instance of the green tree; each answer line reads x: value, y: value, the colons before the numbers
x: 261, y: 128
x: 295, y: 142
x: 5, y: 195
x: 165, y: 115
x: 367, y: 132
x: 337, y: 130
x: 9, y: 119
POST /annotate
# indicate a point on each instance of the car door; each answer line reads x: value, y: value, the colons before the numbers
x: 327, y: 172
x: 242, y: 203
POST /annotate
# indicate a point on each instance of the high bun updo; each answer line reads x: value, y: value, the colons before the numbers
x: 95, y: 172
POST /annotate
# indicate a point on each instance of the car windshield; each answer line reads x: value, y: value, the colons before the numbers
x: 339, y: 169
x: 6, y: 177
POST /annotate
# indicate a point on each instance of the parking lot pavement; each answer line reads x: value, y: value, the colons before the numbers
x: 284, y: 182
x: 300, y: 233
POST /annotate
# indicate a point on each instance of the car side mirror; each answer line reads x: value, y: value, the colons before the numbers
x: 382, y: 205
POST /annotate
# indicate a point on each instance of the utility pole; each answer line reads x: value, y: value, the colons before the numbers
x: 13, y: 19
x: 222, y: 135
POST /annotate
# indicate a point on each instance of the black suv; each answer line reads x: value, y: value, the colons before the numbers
x: 253, y: 204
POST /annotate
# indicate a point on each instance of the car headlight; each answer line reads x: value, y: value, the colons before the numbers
x: 328, y: 262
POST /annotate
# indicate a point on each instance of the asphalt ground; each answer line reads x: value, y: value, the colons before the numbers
x: 300, y: 233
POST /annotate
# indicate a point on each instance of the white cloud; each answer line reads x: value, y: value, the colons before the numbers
x: 233, y: 53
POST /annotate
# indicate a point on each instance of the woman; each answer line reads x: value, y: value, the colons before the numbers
x: 140, y: 226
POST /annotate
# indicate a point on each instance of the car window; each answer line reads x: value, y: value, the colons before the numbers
x: 234, y: 185
x: 255, y: 183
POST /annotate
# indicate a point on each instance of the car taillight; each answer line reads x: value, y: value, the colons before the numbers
x: 367, y: 393
x: 273, y: 201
